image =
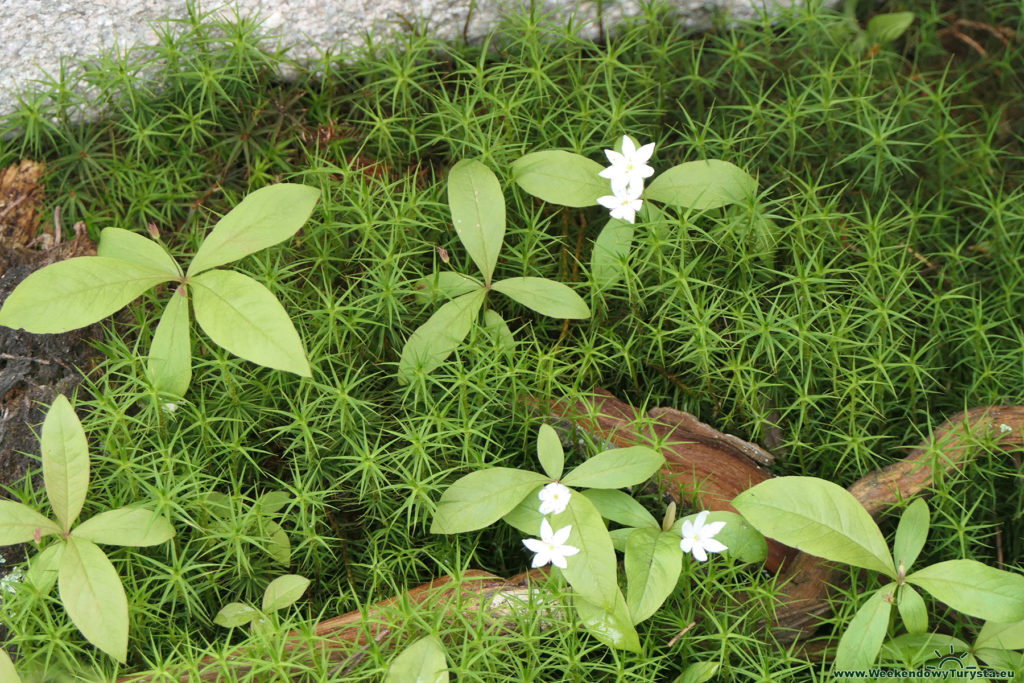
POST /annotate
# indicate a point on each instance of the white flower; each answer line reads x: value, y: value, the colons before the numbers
x: 1003, y: 428
x: 551, y: 547
x: 629, y: 168
x: 623, y: 205
x: 554, y: 498
x: 697, y: 537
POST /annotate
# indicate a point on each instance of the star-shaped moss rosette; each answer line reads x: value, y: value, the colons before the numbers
x: 569, y: 179
x: 237, y: 312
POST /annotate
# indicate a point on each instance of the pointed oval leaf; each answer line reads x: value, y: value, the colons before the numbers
x: 496, y: 325
x: 817, y: 517
x: 283, y: 591
x: 616, y: 468
x: 434, y: 340
x: 235, y: 614
x: 7, y: 671
x: 170, y: 354
x: 129, y: 246
x: 526, y: 515
x: 128, y: 526
x: 272, y: 502
x: 911, y: 533
x: 75, y: 293
x: 478, y: 212
x: 549, y: 451
x: 446, y: 283
x: 482, y: 498
x: 702, y: 185
x: 43, y: 568
x: 621, y: 507
x: 93, y: 596
x: 912, y: 609
x: 1005, y: 660
x: 1001, y: 635
x: 974, y: 589
x: 885, y: 28
x: 561, y: 177
x: 277, y: 543
x: 611, y: 248
x: 65, y: 461
x: 421, y: 662
x: 914, y: 649
x: 547, y: 297
x: 859, y: 645
x: 652, y: 562
x: 592, y: 571
x: 263, y: 218
x: 20, y: 524
x: 242, y: 316
x: 620, y: 537
x: 612, y: 626
x: 699, y: 672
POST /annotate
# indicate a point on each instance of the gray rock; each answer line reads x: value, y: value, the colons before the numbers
x: 38, y: 33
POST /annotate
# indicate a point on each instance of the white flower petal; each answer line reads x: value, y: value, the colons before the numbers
x: 609, y: 201
x: 569, y: 550
x: 701, y: 516
x: 644, y: 153
x: 535, y: 545
x: 540, y: 559
x: 699, y: 554
x: 713, y: 546
x: 562, y: 535
x: 687, y: 530
x: 628, y: 148
x: 545, y: 530
x: 711, y: 529
x: 611, y: 172
x: 614, y: 157
x: 686, y: 544
x: 559, y: 561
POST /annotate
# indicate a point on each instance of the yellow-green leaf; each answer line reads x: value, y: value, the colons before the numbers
x: 170, y: 354
x: 129, y: 246
x: 65, y: 461
x: 478, y: 212
x: 94, y: 598
x: 129, y: 526
x: 561, y: 177
x: 421, y: 662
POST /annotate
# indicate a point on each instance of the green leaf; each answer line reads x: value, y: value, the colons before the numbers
x: 278, y: 546
x: 744, y: 542
x: 914, y: 649
x: 620, y: 537
x: 130, y: 526
x: 591, y: 572
x: 1008, y: 636
x: 621, y: 507
x: 817, y: 517
x: 616, y: 468
x: 549, y: 451
x: 272, y: 501
x: 702, y: 185
x: 94, y: 598
x: 478, y: 212
x: 235, y: 614
x: 911, y: 533
x: 283, y: 591
x: 885, y: 28
x: 496, y: 325
x: 526, y: 515
x: 482, y: 498
x: 65, y: 461
x: 613, y: 627
x: 262, y: 219
x: 547, y: 297
x: 19, y: 523
x: 434, y: 340
x: 43, y: 568
x: 561, y: 177
x: 699, y: 672
x: 611, y: 248
x: 242, y: 316
x: 912, y: 610
x: 170, y: 354
x: 859, y: 645
x: 75, y: 293
x: 974, y: 589
x: 653, y: 562
x: 1004, y: 660
x: 129, y: 246
x: 421, y: 662
x: 7, y: 671
x: 446, y: 283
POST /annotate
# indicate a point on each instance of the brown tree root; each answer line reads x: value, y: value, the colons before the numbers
x: 704, y: 466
